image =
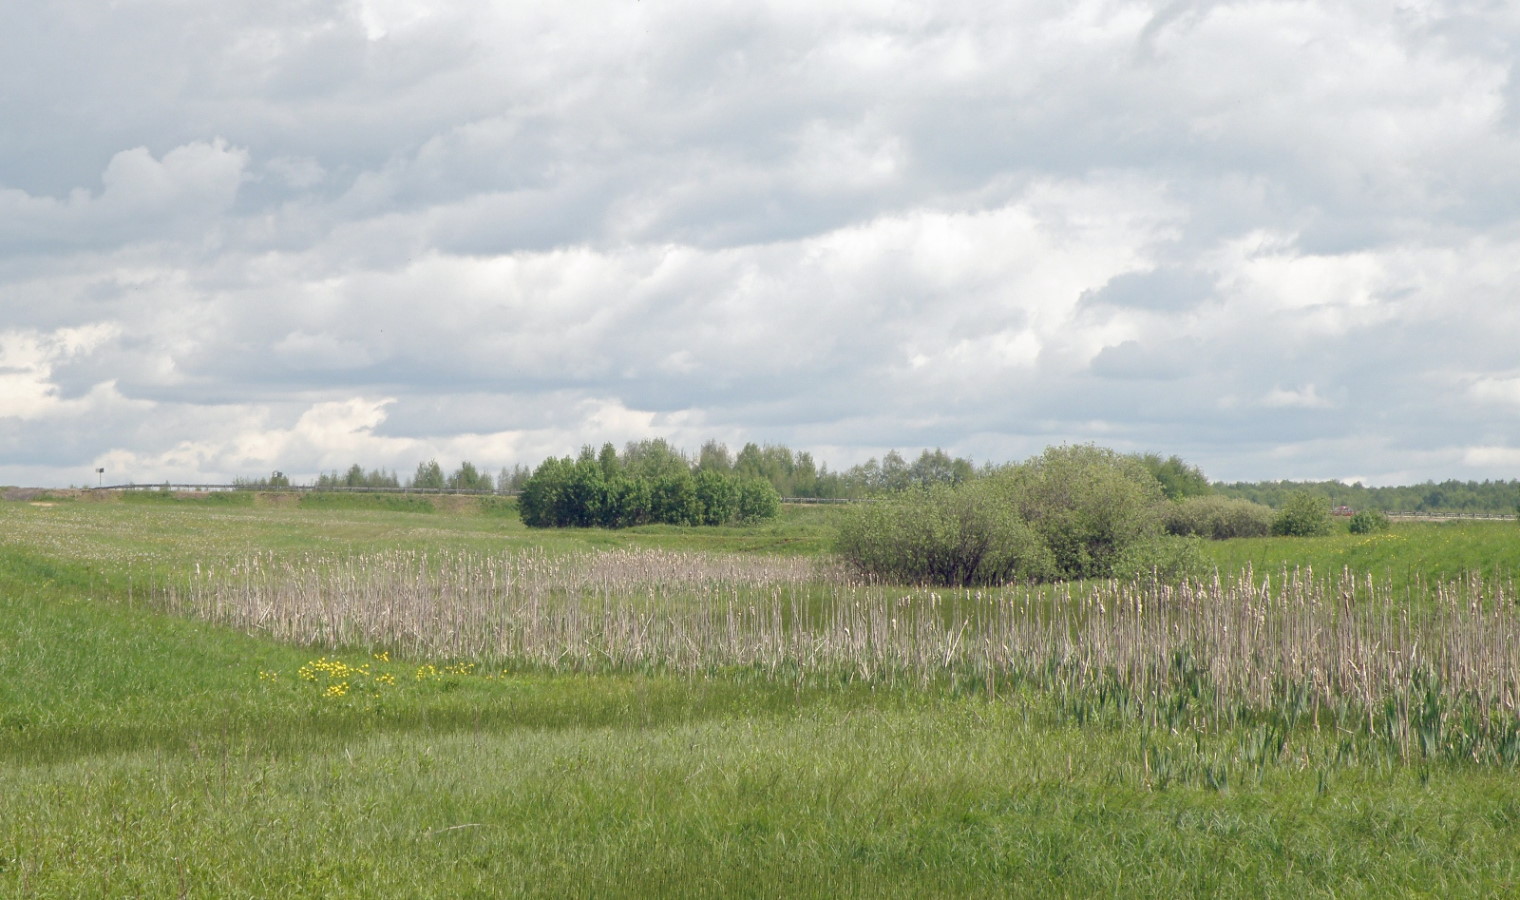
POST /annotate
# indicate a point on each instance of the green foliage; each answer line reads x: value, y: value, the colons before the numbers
x: 1087, y: 504
x: 1304, y: 514
x: 389, y: 502
x: 1069, y: 513
x: 582, y: 494
x: 142, y: 755
x: 1413, y: 556
x: 791, y: 474
x: 468, y: 478
x: 673, y: 499
x: 429, y: 476
x: 1166, y: 558
x: 631, y: 500
x: 1218, y: 518
x: 1450, y: 496
x: 356, y: 477
x: 653, y: 459
x: 210, y: 498
x: 714, y: 457
x: 758, y: 500
x: 958, y: 535
x: 276, y: 480
x: 1178, y: 480
x: 539, y: 503
x: 718, y: 496
x: 509, y: 480
x: 493, y: 505
x: 1369, y: 521
x: 140, y: 496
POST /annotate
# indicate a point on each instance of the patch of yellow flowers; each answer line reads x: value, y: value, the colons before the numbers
x: 336, y: 679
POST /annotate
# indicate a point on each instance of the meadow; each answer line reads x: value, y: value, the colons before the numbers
x: 270, y: 698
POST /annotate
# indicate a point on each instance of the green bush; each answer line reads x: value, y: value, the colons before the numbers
x: 1217, y: 518
x: 1087, y: 504
x: 954, y: 535
x: 758, y: 499
x: 1070, y: 513
x: 718, y: 495
x: 1304, y: 514
x: 1166, y: 558
x: 1369, y: 521
x: 538, y: 504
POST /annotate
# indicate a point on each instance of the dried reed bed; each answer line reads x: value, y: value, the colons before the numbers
x: 1191, y: 655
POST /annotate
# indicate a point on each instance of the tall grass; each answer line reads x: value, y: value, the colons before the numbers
x: 1433, y: 678
x: 149, y: 755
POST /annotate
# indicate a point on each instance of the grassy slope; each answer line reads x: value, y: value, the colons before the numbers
x: 1411, y: 553
x: 143, y: 756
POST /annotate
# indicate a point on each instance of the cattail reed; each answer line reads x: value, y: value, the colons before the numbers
x: 1196, y: 655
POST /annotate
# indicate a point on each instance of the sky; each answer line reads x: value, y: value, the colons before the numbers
x: 1278, y: 239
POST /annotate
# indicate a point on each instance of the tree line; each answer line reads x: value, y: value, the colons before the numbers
x: 795, y: 473
x: 791, y: 473
x: 1486, y: 497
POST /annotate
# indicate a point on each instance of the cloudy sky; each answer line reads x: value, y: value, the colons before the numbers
x: 1279, y: 239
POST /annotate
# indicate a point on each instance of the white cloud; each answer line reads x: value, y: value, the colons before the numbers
x: 27, y: 362
x: 1306, y: 397
x: 1498, y: 389
x: 301, y: 236
x: 141, y: 198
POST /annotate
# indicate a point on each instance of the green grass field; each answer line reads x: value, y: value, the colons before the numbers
x: 145, y: 754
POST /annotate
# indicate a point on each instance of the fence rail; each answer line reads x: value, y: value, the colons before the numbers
x: 297, y: 488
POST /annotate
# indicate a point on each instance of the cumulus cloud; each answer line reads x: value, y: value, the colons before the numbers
x: 181, y: 196
x: 1275, y: 238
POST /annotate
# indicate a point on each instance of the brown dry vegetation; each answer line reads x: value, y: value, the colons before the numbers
x: 1342, y: 652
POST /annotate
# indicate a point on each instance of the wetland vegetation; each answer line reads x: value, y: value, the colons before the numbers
x: 274, y: 697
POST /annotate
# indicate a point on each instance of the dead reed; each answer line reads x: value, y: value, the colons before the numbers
x: 1340, y: 651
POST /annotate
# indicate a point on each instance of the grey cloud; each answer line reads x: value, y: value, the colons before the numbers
x: 1167, y: 289
x: 1131, y: 360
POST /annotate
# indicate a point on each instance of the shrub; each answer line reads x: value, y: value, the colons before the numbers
x: 674, y: 498
x: 953, y: 535
x: 1087, y: 504
x: 1166, y: 558
x: 758, y: 499
x: 1369, y: 521
x: 1217, y: 518
x: 540, y: 498
x: 718, y: 496
x: 1068, y: 513
x: 1304, y: 514
x: 631, y: 499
